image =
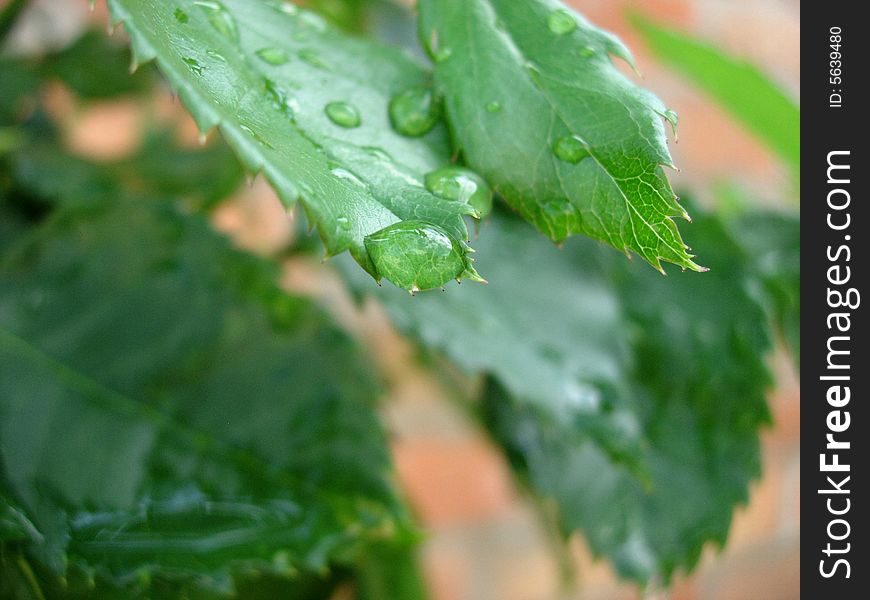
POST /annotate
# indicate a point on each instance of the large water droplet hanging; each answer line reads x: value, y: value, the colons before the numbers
x: 461, y: 185
x: 220, y: 18
x: 571, y: 149
x: 273, y: 56
x: 414, y: 112
x: 416, y: 255
x: 343, y: 114
x: 561, y: 21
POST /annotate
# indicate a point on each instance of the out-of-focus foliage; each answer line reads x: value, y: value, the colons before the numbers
x: 635, y: 409
x: 741, y: 88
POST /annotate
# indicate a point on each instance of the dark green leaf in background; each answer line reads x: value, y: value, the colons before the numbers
x: 634, y: 400
x: 537, y: 107
x: 741, y: 88
x: 167, y: 413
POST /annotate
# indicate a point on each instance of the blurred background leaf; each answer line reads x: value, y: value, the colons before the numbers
x: 739, y: 87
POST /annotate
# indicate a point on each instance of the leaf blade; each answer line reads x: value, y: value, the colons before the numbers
x: 353, y: 179
x: 551, y: 87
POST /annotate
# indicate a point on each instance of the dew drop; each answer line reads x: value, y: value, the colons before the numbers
x: 493, y: 107
x: 461, y: 185
x: 273, y: 56
x: 256, y: 136
x: 279, y: 97
x: 561, y: 21
x: 414, y: 112
x: 220, y: 18
x: 378, y: 153
x: 194, y: 65
x: 571, y: 149
x: 181, y: 16
x: 347, y: 176
x: 343, y: 114
x: 442, y: 54
x: 586, y: 51
x: 672, y: 118
x: 416, y: 255
x: 343, y: 223
x: 216, y: 55
x: 284, y: 6
x: 312, y: 58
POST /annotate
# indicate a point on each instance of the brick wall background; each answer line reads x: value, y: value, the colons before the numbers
x: 484, y: 541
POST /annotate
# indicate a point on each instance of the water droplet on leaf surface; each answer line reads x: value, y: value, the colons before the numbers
x: 561, y: 21
x: 416, y: 255
x: 461, y: 185
x: 194, y: 65
x: 414, y: 112
x: 571, y: 149
x: 343, y: 114
x: 273, y: 56
x: 220, y: 18
x: 181, y: 16
x: 493, y: 107
x: 312, y: 58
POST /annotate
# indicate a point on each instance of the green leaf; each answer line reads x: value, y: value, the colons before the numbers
x: 537, y: 107
x: 167, y: 415
x: 95, y: 67
x: 304, y: 104
x: 772, y: 244
x: 632, y: 399
x: 747, y: 93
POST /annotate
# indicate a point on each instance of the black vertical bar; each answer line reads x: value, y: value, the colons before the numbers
x: 834, y: 357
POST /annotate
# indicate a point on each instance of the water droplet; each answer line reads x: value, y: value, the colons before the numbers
x: 414, y: 112
x: 442, y: 54
x: 347, y: 176
x: 220, y: 18
x: 311, y: 57
x: 273, y: 56
x: 416, y: 255
x: 279, y: 97
x: 216, y: 55
x: 493, y: 106
x: 194, y: 65
x: 378, y: 153
x: 586, y: 51
x: 343, y: 114
x: 672, y: 118
x: 343, y: 223
x: 288, y: 8
x: 571, y: 149
x: 461, y: 185
x: 561, y: 21
x: 256, y: 136
x: 313, y: 21
x: 181, y: 16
